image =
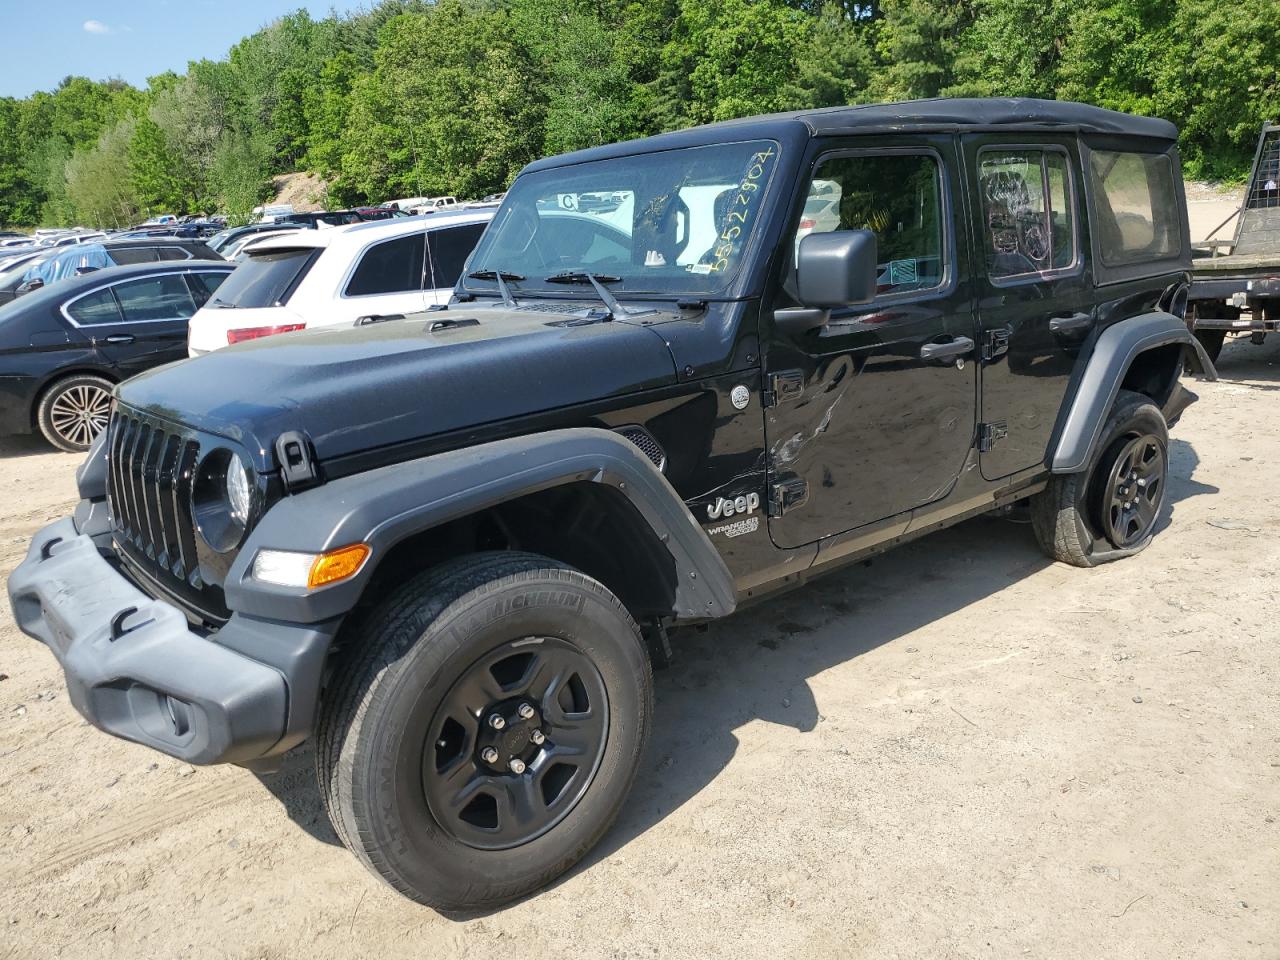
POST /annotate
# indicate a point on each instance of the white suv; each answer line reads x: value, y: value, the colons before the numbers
x: 317, y: 278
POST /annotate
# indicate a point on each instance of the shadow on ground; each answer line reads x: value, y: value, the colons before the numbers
x: 757, y: 665
x: 1257, y: 366
x: 28, y: 445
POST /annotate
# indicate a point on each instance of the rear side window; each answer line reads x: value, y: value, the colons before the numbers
x: 155, y: 298
x: 173, y: 253
x: 203, y: 285
x: 95, y: 308
x: 1136, y: 205
x: 449, y: 251
x: 265, y: 280
x: 1028, y: 215
x: 123, y: 255
x: 394, y: 266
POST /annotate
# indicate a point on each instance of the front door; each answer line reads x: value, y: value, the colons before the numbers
x: 874, y: 414
x: 1035, y: 289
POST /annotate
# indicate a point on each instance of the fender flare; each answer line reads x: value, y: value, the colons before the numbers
x: 382, y: 507
x: 1113, y: 353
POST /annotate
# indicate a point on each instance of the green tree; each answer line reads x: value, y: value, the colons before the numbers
x: 155, y: 173
x: 98, y: 194
x: 240, y: 174
x: 453, y: 105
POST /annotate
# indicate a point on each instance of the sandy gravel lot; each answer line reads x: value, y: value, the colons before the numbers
x: 960, y: 751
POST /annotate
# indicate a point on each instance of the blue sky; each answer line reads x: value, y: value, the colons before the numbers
x: 133, y: 39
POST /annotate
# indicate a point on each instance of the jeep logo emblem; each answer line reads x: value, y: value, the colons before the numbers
x: 727, y: 508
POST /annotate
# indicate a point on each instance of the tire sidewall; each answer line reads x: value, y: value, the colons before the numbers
x: 1132, y: 414
x: 403, y: 829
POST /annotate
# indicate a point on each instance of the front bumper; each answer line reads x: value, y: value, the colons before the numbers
x: 136, y: 669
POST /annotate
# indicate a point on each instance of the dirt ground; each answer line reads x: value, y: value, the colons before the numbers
x: 960, y: 751
x: 1208, y: 205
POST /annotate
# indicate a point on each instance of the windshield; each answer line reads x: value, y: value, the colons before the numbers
x: 671, y: 222
x: 264, y: 280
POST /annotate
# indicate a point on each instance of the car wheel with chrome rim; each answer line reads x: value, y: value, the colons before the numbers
x: 73, y: 411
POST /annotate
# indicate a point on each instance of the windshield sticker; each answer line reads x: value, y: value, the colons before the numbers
x: 744, y: 205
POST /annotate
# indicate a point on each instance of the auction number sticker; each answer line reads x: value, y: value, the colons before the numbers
x: 743, y: 205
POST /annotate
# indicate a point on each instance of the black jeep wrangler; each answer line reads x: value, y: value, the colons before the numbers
x: 449, y: 546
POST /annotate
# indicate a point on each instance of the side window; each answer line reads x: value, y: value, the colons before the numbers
x: 173, y: 253
x: 125, y: 255
x: 155, y: 298
x: 204, y: 284
x: 897, y: 197
x: 449, y: 251
x: 95, y: 308
x: 394, y: 266
x: 1027, y: 213
x: 1136, y: 204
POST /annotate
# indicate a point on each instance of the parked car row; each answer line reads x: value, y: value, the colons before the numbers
x: 65, y: 346
x: 97, y: 314
x: 360, y: 274
x: 37, y: 267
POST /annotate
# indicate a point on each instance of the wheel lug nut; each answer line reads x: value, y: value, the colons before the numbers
x: 525, y: 711
x: 537, y: 736
x: 489, y: 755
x: 517, y: 765
x: 497, y: 722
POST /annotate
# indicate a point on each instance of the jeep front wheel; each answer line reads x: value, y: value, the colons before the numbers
x: 1110, y: 509
x: 485, y: 728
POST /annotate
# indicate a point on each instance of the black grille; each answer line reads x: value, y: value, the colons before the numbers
x: 648, y: 446
x: 152, y: 466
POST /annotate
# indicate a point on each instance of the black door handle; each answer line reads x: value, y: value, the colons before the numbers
x: 121, y: 338
x: 947, y: 351
x: 1069, y: 324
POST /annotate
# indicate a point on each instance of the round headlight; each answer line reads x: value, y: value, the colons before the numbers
x: 238, y: 490
x: 222, y: 499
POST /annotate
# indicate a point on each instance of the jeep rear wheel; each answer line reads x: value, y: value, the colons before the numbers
x: 485, y: 730
x: 1110, y: 509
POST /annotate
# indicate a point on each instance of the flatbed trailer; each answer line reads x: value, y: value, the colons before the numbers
x: 1235, y: 285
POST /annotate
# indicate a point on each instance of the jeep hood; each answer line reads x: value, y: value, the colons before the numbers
x: 352, y: 389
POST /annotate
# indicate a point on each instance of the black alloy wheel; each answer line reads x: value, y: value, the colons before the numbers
x: 515, y: 743
x: 1133, y: 491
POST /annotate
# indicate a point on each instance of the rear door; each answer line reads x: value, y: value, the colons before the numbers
x: 387, y: 279
x: 1035, y: 288
x: 447, y: 252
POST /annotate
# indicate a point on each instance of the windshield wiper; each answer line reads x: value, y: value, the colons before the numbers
x: 502, y: 276
x: 597, y: 280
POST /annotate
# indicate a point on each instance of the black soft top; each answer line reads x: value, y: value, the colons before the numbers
x: 922, y: 116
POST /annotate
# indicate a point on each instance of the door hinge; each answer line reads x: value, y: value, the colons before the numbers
x: 990, y: 433
x: 995, y: 343
x: 783, y: 386
x: 787, y: 495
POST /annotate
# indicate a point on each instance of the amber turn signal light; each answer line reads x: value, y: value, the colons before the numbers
x: 337, y: 565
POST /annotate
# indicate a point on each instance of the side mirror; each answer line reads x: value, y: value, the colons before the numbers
x: 836, y: 269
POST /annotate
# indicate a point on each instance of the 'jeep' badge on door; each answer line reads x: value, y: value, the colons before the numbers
x: 727, y: 508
